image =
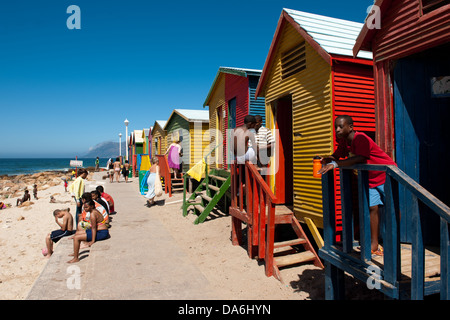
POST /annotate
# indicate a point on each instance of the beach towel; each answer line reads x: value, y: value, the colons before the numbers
x: 197, y: 170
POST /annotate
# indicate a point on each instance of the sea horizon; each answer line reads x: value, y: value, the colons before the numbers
x: 18, y: 166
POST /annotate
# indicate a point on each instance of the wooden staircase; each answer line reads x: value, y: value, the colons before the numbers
x: 255, y: 206
x: 168, y: 182
x: 210, y: 191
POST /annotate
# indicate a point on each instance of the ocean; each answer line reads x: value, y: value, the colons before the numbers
x: 10, y: 167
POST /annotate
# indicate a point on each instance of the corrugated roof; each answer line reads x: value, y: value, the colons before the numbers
x: 193, y: 115
x: 336, y: 36
x: 138, y: 136
x: 161, y: 123
x: 243, y: 72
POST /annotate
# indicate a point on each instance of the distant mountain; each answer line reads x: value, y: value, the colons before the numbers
x: 108, y: 149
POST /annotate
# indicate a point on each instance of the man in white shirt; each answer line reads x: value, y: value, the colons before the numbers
x: 265, y: 142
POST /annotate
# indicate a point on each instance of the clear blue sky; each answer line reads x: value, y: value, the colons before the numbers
x: 63, y: 91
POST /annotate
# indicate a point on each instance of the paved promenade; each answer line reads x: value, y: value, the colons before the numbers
x: 140, y: 261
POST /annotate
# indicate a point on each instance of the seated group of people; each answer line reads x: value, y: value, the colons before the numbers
x: 93, y: 223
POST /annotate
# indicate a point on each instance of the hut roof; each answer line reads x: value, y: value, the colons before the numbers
x: 243, y: 72
x: 190, y: 115
x: 328, y: 36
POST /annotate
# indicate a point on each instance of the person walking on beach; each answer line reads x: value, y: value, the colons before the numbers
x: 66, y: 229
x: 126, y: 170
x: 357, y: 147
x: 117, y: 169
x: 26, y: 197
x: 77, y: 189
x: 35, y: 191
x: 97, y: 164
x: 175, y: 152
x: 98, y: 231
x: 154, y: 174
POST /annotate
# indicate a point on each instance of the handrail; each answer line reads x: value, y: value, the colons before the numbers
x: 259, y: 201
x: 391, y: 272
x: 420, y: 192
x: 165, y: 172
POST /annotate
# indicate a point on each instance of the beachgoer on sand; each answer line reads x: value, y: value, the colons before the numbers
x: 356, y: 147
x: 108, y: 198
x: 66, y: 229
x: 98, y: 232
x: 126, y: 170
x: 35, y: 191
x: 26, y: 197
x: 151, y: 181
x: 77, y: 189
x: 117, y: 168
x: 175, y: 152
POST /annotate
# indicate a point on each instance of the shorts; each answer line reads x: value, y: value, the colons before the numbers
x: 56, y: 235
x: 248, y: 156
x: 101, y: 235
x: 376, y: 196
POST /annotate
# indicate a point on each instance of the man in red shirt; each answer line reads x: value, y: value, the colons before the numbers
x: 356, y: 147
x: 107, y: 198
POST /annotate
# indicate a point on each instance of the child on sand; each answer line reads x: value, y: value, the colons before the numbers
x: 66, y: 230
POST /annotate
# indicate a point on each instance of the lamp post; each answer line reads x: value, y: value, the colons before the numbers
x: 126, y: 137
x: 120, y: 144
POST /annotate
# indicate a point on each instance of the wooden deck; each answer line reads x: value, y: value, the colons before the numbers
x: 432, y: 262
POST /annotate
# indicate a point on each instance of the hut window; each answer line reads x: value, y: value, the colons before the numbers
x: 293, y: 61
x: 431, y: 5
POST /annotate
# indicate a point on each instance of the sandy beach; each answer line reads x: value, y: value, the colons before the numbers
x: 208, y: 245
x: 23, y: 229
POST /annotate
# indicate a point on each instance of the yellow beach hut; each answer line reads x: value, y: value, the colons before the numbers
x: 191, y: 128
x: 158, y: 141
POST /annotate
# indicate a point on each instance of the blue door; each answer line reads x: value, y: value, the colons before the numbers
x: 422, y: 121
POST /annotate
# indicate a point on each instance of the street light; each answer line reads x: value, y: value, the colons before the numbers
x: 126, y: 137
x: 120, y: 144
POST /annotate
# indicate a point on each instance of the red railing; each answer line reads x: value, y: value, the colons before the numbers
x: 165, y: 173
x: 254, y: 206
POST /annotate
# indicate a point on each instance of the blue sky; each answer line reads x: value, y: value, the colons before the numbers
x: 63, y: 91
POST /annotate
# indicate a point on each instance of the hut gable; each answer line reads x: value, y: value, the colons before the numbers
x: 405, y: 27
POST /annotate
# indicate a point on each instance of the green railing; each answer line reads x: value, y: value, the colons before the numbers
x: 338, y: 257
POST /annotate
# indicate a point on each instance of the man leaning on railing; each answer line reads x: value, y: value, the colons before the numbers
x: 354, y: 148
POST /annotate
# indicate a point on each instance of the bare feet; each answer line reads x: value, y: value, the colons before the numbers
x: 73, y: 260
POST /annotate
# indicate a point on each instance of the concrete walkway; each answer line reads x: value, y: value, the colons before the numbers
x: 141, y: 260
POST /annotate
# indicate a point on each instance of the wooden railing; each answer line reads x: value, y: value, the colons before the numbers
x: 338, y: 256
x: 165, y: 173
x: 252, y: 205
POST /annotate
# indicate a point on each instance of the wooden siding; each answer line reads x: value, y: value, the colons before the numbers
x: 217, y: 100
x: 405, y: 31
x: 312, y: 118
x: 158, y: 133
x: 199, y: 141
x: 257, y: 105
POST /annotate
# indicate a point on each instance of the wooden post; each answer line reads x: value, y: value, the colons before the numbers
x: 347, y: 210
x: 445, y: 259
x: 364, y: 215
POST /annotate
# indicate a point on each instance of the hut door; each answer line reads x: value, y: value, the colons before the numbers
x: 422, y: 112
x: 283, y: 124
x: 219, y: 132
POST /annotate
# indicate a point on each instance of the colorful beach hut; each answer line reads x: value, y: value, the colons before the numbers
x: 146, y: 146
x: 230, y: 98
x: 410, y: 40
x: 158, y: 133
x: 310, y: 76
x: 190, y: 127
x: 137, y: 147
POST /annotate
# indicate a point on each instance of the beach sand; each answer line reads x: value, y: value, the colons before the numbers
x: 208, y: 245
x: 23, y: 229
